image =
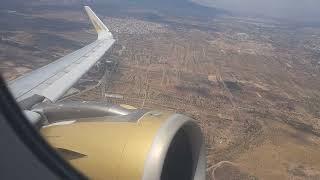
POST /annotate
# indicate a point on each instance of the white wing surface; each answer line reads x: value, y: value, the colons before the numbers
x: 54, y: 80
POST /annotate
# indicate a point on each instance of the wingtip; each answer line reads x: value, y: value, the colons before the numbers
x: 102, y: 30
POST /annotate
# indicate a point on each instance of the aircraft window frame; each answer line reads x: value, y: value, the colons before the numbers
x: 31, y: 139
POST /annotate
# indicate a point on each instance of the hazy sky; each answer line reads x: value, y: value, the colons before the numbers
x: 301, y: 10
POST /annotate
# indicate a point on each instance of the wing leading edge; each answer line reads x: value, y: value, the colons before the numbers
x: 55, y: 79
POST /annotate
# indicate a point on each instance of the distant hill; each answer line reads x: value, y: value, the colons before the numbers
x: 180, y: 8
x: 141, y: 8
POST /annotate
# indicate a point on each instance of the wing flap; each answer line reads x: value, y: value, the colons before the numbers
x: 72, y: 76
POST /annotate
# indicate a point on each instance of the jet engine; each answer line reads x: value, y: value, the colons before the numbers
x: 120, y: 142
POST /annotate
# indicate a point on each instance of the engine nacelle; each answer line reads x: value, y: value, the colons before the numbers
x: 152, y: 145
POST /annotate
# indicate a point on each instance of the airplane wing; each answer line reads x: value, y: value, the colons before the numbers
x: 53, y: 80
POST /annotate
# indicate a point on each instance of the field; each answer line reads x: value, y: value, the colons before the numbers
x: 251, y: 84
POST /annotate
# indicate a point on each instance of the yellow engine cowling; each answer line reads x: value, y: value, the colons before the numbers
x: 156, y: 145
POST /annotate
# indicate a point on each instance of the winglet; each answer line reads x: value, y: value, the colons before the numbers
x: 102, y: 30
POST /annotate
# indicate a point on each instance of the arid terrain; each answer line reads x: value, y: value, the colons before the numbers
x: 252, y: 84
